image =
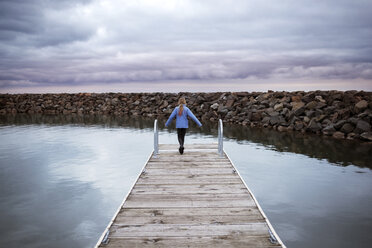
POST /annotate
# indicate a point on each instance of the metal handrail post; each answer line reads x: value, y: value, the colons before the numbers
x: 156, y: 139
x: 220, y: 138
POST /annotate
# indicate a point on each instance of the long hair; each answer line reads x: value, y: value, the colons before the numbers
x: 181, y: 102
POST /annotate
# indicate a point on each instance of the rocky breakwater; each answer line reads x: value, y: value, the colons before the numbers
x: 342, y: 115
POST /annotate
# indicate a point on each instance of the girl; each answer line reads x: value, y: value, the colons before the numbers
x: 182, y: 112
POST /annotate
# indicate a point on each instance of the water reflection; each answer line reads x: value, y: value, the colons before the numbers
x: 340, y: 152
x: 63, y: 177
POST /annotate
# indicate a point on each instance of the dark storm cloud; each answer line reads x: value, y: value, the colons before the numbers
x: 81, y: 42
x: 31, y: 23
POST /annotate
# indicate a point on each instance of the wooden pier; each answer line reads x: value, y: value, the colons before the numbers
x: 197, y: 199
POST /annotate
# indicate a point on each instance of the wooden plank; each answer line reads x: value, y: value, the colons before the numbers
x: 181, y: 164
x: 157, y: 202
x: 185, y: 181
x: 188, y: 171
x: 189, y: 189
x: 188, y: 146
x: 189, y: 151
x: 231, y: 211
x: 209, y: 196
x: 188, y: 158
x: 169, y: 230
x: 192, y: 176
x: 199, y: 153
x: 187, y: 220
x: 196, y: 162
x: 218, y: 241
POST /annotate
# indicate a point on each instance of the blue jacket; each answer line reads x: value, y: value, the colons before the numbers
x: 181, y: 120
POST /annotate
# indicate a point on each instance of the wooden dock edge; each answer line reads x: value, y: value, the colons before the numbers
x: 105, y: 233
x: 271, y: 228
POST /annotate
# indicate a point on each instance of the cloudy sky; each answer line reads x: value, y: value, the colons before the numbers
x: 179, y: 45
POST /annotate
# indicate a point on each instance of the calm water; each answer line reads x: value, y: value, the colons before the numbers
x: 62, y: 179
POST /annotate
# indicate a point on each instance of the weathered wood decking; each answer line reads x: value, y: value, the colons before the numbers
x: 193, y: 200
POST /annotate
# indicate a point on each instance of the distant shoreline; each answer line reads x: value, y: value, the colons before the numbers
x: 340, y: 114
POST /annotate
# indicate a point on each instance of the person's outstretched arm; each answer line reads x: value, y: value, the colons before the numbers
x: 189, y: 113
x: 171, y: 117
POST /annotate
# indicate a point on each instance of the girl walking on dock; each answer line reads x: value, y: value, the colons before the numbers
x: 182, y: 112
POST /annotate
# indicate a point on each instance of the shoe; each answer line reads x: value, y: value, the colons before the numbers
x: 181, y: 149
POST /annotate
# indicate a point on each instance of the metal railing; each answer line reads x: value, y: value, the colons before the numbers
x: 220, y: 138
x: 156, y: 139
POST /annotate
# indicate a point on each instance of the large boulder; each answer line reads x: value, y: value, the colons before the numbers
x: 366, y: 136
x: 214, y: 106
x: 278, y: 107
x: 329, y: 130
x: 297, y: 105
x: 299, y: 111
x: 320, y: 99
x: 230, y: 103
x: 296, y: 98
x: 361, y: 105
x: 339, y: 124
x: 314, y: 126
x: 347, y: 128
x: 362, y: 126
x: 256, y: 116
x: 311, y: 105
x: 276, y: 120
x: 282, y: 129
x: 338, y: 135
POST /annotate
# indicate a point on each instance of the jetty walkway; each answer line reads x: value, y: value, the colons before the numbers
x: 197, y: 199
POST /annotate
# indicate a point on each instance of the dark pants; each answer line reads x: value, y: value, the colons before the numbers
x: 181, y: 135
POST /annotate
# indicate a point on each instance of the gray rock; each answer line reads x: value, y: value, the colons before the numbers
x: 274, y: 120
x: 223, y: 110
x: 282, y: 128
x: 279, y: 107
x: 320, y: 99
x: 230, y: 103
x: 310, y: 113
x: 311, y: 105
x: 314, y: 126
x: 285, y: 111
x: 351, y: 136
x: 362, y: 126
x: 347, y: 128
x: 299, y: 111
x: 361, y: 105
x: 164, y: 105
x: 321, y: 105
x: 274, y: 113
x: 266, y: 120
x: 329, y: 130
x: 298, y: 125
x: 339, y: 124
x: 367, y: 136
x: 265, y: 103
x: 338, y: 135
x: 353, y: 120
x: 297, y: 105
x: 320, y: 118
x: 256, y: 116
x: 215, y: 106
x: 329, y: 110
